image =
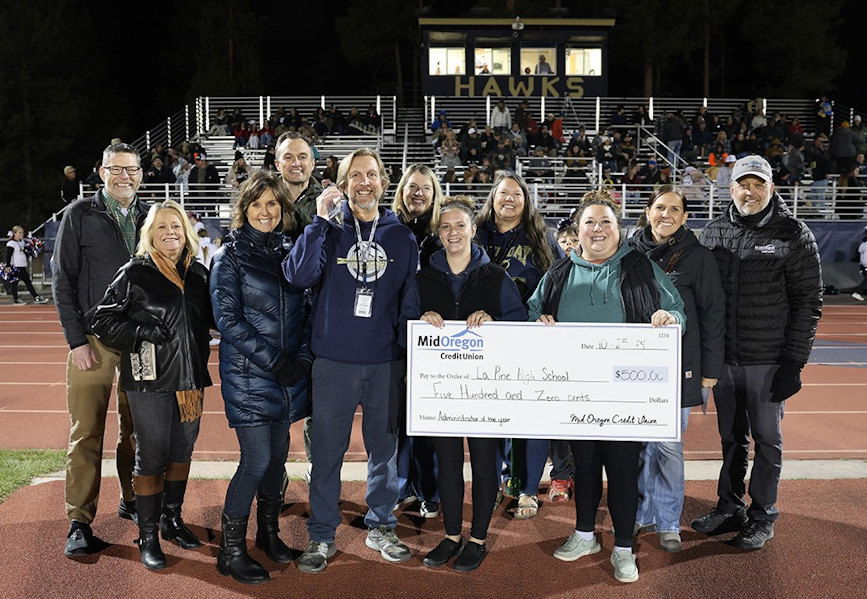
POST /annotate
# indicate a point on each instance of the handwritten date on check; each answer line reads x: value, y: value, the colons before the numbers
x: 568, y: 381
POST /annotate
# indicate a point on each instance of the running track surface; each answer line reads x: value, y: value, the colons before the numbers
x: 818, y: 552
x: 826, y: 420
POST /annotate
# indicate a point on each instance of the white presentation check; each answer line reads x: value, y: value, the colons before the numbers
x: 567, y: 381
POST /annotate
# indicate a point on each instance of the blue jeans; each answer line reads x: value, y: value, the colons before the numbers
x: 674, y: 146
x: 417, y: 468
x: 338, y: 389
x: 263, y: 455
x: 661, y: 482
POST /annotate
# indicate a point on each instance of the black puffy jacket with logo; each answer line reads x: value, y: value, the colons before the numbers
x: 773, y: 284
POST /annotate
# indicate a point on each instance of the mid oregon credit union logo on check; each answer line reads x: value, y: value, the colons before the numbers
x: 465, y: 345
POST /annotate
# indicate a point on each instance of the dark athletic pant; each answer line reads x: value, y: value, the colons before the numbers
x: 483, y: 459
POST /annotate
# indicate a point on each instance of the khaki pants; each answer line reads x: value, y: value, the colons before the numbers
x: 87, y: 395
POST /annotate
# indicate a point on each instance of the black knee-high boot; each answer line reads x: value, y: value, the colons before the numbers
x: 233, y: 558
x: 171, y: 524
x: 266, y: 535
x: 149, y: 498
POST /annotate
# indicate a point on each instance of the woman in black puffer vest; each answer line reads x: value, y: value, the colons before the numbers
x: 264, y: 361
x: 668, y: 242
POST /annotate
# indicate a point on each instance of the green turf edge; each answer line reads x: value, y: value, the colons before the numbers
x: 20, y: 466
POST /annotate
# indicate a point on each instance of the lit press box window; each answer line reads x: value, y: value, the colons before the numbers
x: 584, y: 61
x: 492, y: 61
x: 446, y: 61
x: 538, y: 61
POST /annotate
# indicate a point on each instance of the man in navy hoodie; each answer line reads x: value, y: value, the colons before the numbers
x: 358, y: 259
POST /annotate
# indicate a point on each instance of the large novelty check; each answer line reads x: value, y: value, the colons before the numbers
x: 567, y: 381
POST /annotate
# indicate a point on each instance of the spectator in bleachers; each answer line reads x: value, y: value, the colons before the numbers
x: 483, y: 178
x: 580, y: 140
x: 469, y: 176
x: 241, y: 134
x: 238, y: 172
x: 752, y: 145
x: 825, y: 114
x: 442, y: 119
x: 859, y: 133
x: 70, y: 186
x: 619, y: 116
x: 450, y: 152
x: 471, y: 147
x: 182, y: 172
x: 626, y: 151
x: 861, y: 170
x: 220, y: 124
x: 722, y: 138
x: 254, y: 142
x: 319, y: 121
x: 724, y: 177
x: 759, y: 121
x: 501, y: 117
x: 532, y: 130
x: 819, y: 160
x: 672, y: 135
x: 371, y: 117
x: 555, y: 126
x: 296, y: 163
x: 269, y: 160
x: 521, y: 114
x: 605, y: 154
x: 649, y: 173
x: 489, y: 142
x: 158, y: 172
x: 329, y: 173
x: 632, y: 178
x: 640, y: 116
x: 266, y: 135
x: 794, y: 160
x: 547, y: 142
x: 539, y: 166
x: 518, y: 139
x: 850, y: 197
x: 450, y: 177
x: 203, y: 173
x: 701, y: 138
x: 335, y: 120
x: 502, y: 157
x: 236, y: 118
x: 718, y: 156
x: 843, y: 148
x: 310, y: 133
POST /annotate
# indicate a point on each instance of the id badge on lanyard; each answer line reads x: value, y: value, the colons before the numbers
x: 364, y: 295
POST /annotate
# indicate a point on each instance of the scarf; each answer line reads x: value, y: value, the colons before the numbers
x: 190, y: 400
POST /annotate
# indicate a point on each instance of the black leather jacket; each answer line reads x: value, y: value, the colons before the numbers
x: 141, y: 295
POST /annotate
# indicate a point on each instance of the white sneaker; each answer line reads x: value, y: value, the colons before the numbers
x: 858, y: 296
x: 625, y: 568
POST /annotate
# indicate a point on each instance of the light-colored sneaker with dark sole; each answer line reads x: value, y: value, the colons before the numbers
x: 625, y: 568
x: 315, y: 559
x: 576, y: 547
x: 384, y: 540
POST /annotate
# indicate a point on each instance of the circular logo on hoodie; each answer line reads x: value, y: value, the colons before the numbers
x: 372, y: 269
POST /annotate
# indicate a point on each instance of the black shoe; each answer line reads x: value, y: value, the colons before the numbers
x: 442, y: 553
x: 81, y: 540
x: 127, y: 510
x: 717, y: 522
x: 233, y: 558
x: 471, y: 557
x: 150, y: 552
x: 172, y: 525
x: 755, y: 534
x: 266, y: 534
x: 429, y: 509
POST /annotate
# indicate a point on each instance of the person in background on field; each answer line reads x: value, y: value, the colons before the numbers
x: 16, y: 260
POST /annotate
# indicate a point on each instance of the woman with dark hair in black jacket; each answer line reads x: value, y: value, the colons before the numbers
x: 461, y: 283
x: 668, y: 242
x: 264, y: 361
x: 157, y: 312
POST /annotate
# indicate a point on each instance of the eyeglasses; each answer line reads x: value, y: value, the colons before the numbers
x: 132, y: 171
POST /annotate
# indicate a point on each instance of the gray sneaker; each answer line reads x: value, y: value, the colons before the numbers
x: 625, y: 568
x: 576, y: 547
x: 384, y: 540
x: 316, y: 557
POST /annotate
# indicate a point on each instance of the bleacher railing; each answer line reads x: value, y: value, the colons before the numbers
x: 595, y: 112
x: 556, y: 196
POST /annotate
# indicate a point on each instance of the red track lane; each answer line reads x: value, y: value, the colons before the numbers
x: 818, y: 552
x: 825, y: 420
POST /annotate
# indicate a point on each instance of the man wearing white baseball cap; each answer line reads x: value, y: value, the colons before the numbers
x: 769, y: 266
x: 724, y: 177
